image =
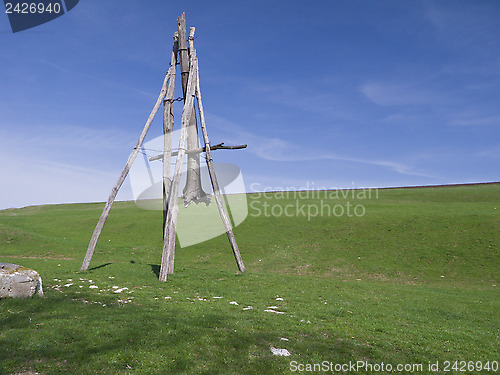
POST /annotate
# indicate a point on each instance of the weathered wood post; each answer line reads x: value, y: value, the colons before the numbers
x: 213, y: 177
x: 123, y: 175
x: 167, y: 261
x: 193, y: 192
x: 168, y: 124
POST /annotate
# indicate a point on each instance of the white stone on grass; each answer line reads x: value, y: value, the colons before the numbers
x: 274, y: 311
x: 280, y: 352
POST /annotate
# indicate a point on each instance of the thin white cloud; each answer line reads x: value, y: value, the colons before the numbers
x: 316, y: 101
x: 470, y: 28
x: 389, y: 94
x: 465, y: 27
x: 59, y: 164
x: 317, y: 98
x: 276, y: 149
x: 95, y: 78
x: 473, y: 121
x: 492, y: 153
x: 70, y: 138
x: 29, y: 181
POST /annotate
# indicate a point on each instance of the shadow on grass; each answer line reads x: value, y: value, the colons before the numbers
x: 101, y: 266
x: 155, y: 268
x: 55, y: 334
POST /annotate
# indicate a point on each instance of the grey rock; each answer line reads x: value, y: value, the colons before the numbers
x: 17, y: 281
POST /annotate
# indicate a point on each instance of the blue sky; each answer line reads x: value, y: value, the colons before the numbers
x: 332, y: 94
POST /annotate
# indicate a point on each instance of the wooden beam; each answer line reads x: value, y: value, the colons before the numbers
x: 202, y: 149
x: 193, y: 191
x: 213, y: 177
x: 183, y: 52
x: 123, y: 175
x: 168, y: 124
x: 167, y: 261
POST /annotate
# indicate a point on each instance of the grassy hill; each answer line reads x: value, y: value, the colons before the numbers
x: 399, y: 276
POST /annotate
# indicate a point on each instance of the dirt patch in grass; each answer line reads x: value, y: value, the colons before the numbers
x: 37, y: 257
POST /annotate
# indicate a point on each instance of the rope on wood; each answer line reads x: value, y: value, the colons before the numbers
x: 180, y: 98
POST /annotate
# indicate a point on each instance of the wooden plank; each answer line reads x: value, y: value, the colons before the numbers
x: 169, y: 234
x: 168, y: 124
x: 183, y: 52
x: 123, y: 175
x: 213, y: 177
x: 169, y: 227
x: 193, y: 192
x: 199, y: 150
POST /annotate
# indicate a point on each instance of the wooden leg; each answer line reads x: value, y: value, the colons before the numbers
x: 114, y: 191
x: 213, y: 178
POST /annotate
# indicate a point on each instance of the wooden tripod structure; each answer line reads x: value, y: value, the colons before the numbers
x: 188, y: 145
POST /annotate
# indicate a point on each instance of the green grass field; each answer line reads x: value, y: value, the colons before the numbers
x: 413, y: 281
